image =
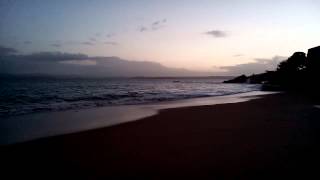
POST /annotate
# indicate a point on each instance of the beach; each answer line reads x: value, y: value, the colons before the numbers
x: 155, y: 89
x: 275, y: 136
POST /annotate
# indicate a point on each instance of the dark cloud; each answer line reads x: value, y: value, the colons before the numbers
x: 53, y: 56
x: 110, y: 35
x: 259, y: 66
x: 7, y: 51
x: 111, y: 43
x: 143, y: 29
x: 58, y: 63
x: 10, y: 54
x: 216, y: 33
x: 97, y: 34
x: 156, y: 25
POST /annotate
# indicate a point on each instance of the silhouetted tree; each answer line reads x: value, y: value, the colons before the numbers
x: 292, y: 71
x: 296, y: 63
x: 313, y: 62
x: 313, y: 71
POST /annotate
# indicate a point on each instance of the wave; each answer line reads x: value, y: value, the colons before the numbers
x: 20, y: 97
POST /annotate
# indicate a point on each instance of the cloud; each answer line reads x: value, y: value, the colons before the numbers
x: 110, y: 35
x: 53, y: 56
x: 58, y: 63
x: 156, y: 25
x: 4, y: 51
x: 217, y: 33
x: 143, y: 29
x: 88, y: 62
x: 111, y: 43
x: 89, y: 42
x: 259, y: 66
x: 11, y: 55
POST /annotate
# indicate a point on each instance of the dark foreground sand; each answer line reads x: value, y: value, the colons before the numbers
x: 273, y: 137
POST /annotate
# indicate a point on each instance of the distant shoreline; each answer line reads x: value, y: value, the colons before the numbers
x: 108, y: 77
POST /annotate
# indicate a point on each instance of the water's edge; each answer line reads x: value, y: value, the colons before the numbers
x: 34, y: 126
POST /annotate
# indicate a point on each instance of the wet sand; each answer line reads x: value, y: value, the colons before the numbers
x: 276, y: 136
x: 15, y: 129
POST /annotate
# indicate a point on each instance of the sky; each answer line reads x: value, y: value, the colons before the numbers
x: 202, y: 35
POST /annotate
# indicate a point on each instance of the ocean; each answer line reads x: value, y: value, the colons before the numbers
x: 32, y: 94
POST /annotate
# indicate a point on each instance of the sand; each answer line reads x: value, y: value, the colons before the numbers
x: 272, y: 137
x: 22, y: 128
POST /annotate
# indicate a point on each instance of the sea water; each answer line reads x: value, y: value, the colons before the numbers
x: 32, y: 94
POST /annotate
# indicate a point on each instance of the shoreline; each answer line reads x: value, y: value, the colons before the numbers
x: 30, y: 127
x: 273, y: 136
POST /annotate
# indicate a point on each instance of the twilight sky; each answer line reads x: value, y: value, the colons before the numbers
x: 192, y: 34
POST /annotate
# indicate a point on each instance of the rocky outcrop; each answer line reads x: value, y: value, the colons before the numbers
x: 299, y: 72
x: 262, y: 78
x: 240, y: 79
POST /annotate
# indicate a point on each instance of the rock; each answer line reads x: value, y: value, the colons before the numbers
x: 240, y: 79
